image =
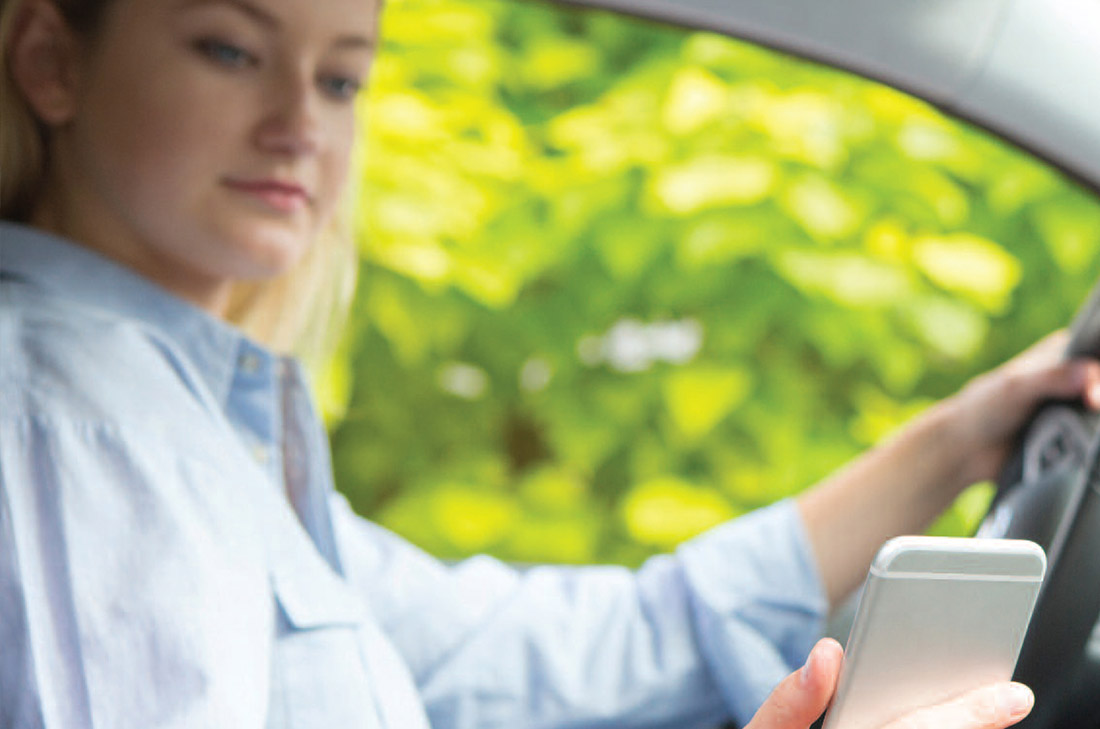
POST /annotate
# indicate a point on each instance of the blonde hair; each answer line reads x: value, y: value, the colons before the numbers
x: 301, y: 311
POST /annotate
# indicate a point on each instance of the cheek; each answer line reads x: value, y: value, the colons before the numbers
x: 156, y: 140
x: 337, y: 160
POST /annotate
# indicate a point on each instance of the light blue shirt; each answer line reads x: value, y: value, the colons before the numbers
x: 173, y: 554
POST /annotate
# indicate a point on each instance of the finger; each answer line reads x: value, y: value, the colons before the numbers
x: 1092, y: 384
x: 1052, y: 375
x: 1078, y: 378
x: 802, y: 697
x: 1048, y: 350
x: 992, y: 707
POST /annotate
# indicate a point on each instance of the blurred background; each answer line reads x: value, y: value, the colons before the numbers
x: 620, y: 282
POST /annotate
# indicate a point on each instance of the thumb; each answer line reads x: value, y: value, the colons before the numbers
x: 801, y: 698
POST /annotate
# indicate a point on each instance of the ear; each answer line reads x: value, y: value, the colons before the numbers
x: 43, y: 54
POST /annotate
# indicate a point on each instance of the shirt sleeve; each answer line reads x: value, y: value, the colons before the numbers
x: 126, y: 599
x: 688, y: 640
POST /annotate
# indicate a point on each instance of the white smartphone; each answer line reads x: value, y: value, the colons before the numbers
x: 938, y: 616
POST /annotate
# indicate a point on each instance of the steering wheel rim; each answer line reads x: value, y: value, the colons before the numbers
x: 1049, y: 492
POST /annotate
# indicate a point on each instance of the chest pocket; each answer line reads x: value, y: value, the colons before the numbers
x: 318, y: 679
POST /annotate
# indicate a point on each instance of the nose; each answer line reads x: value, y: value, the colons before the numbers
x: 291, y: 125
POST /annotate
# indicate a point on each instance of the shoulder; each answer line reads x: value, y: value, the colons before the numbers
x: 66, y: 362
x: 101, y: 435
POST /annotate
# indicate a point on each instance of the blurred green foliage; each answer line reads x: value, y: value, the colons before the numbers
x: 621, y: 282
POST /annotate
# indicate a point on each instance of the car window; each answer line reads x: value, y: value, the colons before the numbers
x: 621, y: 280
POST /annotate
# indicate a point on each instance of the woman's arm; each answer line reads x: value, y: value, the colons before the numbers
x: 902, y: 485
x: 689, y: 637
x: 687, y: 640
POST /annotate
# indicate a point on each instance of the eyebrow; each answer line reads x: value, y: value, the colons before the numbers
x: 266, y: 19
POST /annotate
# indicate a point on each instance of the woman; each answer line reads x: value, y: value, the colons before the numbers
x: 172, y: 552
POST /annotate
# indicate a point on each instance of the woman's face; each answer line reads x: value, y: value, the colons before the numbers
x: 209, y: 139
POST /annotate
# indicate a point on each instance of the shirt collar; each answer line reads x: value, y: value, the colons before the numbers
x: 83, y: 276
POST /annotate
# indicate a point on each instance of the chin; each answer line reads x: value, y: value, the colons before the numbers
x: 267, y: 253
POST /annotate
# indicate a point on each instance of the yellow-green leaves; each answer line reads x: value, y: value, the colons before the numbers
x: 555, y: 61
x: 1070, y: 226
x: 849, y: 279
x: 472, y: 519
x: 665, y: 511
x: 621, y: 281
x: 695, y: 98
x: 951, y: 328
x: 970, y: 265
x: 825, y: 210
x: 698, y: 398
x: 713, y: 181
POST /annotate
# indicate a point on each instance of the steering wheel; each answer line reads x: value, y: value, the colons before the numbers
x: 1049, y: 492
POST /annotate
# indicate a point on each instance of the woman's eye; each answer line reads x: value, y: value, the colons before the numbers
x: 225, y: 54
x: 341, y: 87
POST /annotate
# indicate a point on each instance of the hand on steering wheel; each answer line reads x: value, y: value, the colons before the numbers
x: 992, y: 408
x: 803, y: 696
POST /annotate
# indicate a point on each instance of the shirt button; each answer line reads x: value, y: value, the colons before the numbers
x: 262, y: 454
x: 249, y: 363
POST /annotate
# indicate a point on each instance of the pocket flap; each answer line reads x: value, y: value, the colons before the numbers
x: 315, y: 598
x: 310, y: 593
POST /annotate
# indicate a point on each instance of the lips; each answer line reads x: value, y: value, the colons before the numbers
x: 276, y: 194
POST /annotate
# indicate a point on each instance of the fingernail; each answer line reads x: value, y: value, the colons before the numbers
x: 1016, y: 699
x: 1094, y: 395
x: 809, y: 671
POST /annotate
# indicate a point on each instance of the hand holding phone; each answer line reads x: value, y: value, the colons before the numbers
x: 938, y: 617
x: 801, y: 698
